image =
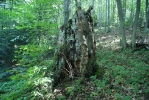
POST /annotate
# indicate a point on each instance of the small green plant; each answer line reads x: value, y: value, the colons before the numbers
x: 33, y: 81
x: 124, y: 74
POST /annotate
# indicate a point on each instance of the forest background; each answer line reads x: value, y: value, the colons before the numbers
x: 29, y: 33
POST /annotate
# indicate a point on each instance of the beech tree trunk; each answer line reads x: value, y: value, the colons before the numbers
x: 76, y: 55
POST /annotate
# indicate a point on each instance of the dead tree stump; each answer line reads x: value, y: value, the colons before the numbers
x: 76, y: 54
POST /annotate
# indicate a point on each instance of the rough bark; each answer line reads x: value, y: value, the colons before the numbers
x: 76, y: 55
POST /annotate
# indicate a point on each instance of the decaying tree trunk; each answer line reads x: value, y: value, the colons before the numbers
x: 76, y: 55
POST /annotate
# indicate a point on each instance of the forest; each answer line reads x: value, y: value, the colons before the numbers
x: 74, y: 50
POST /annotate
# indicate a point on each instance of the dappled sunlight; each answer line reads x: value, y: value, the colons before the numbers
x: 108, y: 40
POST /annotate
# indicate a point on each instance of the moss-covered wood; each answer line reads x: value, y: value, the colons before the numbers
x: 76, y: 54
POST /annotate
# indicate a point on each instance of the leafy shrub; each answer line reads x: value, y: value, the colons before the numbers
x: 33, y: 83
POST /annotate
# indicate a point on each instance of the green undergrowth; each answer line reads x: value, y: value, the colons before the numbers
x: 121, y: 75
x: 29, y: 85
x: 31, y: 79
x: 125, y: 75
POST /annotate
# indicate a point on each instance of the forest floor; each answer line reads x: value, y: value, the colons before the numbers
x: 121, y: 75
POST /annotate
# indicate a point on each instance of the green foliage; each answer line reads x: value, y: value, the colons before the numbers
x: 30, y: 30
x: 28, y: 84
x: 37, y: 20
x: 126, y: 75
x: 29, y: 55
x: 9, y: 40
x: 61, y: 97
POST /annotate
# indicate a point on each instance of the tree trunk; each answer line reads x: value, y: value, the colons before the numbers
x: 94, y: 17
x: 135, y: 24
x: 122, y: 22
x: 98, y: 16
x: 147, y: 22
x: 124, y: 9
x: 147, y: 14
x: 76, y: 55
x: 131, y: 14
x: 108, y: 15
x: 66, y: 10
x: 113, y: 12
